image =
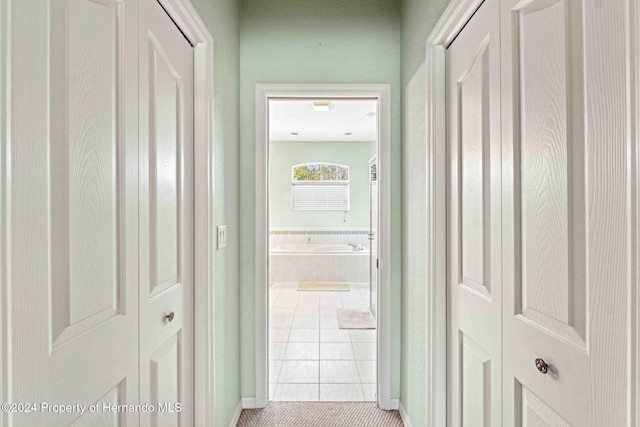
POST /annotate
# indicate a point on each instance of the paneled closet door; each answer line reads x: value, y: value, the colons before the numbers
x: 565, y: 224
x: 474, y: 288
x: 166, y: 219
x: 74, y: 262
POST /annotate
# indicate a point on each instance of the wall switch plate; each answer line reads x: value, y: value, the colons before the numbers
x: 222, y: 236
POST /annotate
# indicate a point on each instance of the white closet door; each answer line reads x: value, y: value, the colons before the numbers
x: 74, y: 241
x: 166, y: 218
x: 565, y: 253
x: 474, y: 280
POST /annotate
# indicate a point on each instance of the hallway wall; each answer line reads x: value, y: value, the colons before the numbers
x: 292, y: 41
x: 418, y: 19
x: 222, y: 18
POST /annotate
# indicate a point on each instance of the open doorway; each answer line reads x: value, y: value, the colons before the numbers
x: 322, y: 203
x: 380, y: 369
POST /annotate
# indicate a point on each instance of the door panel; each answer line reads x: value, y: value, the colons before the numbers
x: 535, y: 412
x: 563, y: 210
x: 474, y: 282
x: 88, y: 166
x: 165, y: 380
x: 75, y: 309
x: 166, y: 218
x: 545, y: 294
x: 550, y: 226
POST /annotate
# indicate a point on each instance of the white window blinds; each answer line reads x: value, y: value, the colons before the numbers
x: 320, y: 196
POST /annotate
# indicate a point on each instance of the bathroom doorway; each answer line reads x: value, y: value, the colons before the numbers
x: 322, y: 329
x: 322, y: 319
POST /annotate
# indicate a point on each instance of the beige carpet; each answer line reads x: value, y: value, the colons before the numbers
x: 323, y: 286
x: 320, y: 414
x: 355, y: 318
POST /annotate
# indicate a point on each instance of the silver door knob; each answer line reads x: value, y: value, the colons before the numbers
x: 170, y: 316
x: 542, y: 366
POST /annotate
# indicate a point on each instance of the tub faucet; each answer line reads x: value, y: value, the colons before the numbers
x: 356, y: 247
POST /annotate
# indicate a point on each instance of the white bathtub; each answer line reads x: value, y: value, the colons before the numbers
x: 316, y: 248
x: 319, y: 262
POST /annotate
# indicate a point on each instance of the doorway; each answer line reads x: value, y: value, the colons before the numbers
x: 343, y: 364
x: 322, y: 338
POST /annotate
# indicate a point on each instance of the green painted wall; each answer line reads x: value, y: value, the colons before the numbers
x: 222, y: 17
x: 329, y: 41
x: 418, y: 19
x: 283, y: 155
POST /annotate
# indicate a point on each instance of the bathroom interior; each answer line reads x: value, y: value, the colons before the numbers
x: 322, y: 249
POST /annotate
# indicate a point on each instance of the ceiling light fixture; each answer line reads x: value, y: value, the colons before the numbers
x: 371, y: 114
x: 348, y: 133
x: 294, y: 133
x: 320, y: 105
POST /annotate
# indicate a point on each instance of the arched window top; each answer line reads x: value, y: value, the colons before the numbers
x: 320, y: 172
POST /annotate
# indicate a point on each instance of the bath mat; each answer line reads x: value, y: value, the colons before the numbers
x: 355, y: 318
x: 323, y: 286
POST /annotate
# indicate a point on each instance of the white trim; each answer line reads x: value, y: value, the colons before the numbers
x: 194, y: 29
x: 249, y: 403
x: 452, y: 20
x: 634, y: 157
x: 389, y: 404
x: 404, y: 416
x: 236, y: 415
x: 5, y: 205
x: 382, y: 93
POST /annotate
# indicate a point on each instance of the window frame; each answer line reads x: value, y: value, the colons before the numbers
x: 302, y: 183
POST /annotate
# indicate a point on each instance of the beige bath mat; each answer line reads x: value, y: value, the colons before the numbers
x: 323, y: 286
x: 355, y: 318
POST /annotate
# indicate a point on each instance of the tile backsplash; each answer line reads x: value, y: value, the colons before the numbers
x: 283, y: 236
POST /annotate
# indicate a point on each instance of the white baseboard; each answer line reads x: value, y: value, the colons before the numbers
x: 405, y: 417
x: 248, y: 403
x: 236, y: 415
x: 389, y: 404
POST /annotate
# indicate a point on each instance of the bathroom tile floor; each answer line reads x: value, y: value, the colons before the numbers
x: 310, y: 358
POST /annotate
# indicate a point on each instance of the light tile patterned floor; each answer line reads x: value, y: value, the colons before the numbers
x: 310, y: 358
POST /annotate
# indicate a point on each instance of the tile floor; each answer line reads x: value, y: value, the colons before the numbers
x: 310, y: 359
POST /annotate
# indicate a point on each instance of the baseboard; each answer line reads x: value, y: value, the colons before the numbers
x: 236, y: 415
x: 405, y: 417
x: 389, y: 404
x: 248, y: 403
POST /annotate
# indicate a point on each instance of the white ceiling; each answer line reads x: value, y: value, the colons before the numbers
x: 343, y: 116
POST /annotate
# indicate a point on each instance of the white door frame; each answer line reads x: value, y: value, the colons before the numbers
x: 381, y: 92
x: 452, y: 20
x: 194, y: 29
x: 191, y: 25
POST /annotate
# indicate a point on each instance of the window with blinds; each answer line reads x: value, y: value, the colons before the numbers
x: 320, y: 187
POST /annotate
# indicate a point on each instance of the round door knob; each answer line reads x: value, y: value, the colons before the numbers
x: 170, y: 316
x: 542, y: 366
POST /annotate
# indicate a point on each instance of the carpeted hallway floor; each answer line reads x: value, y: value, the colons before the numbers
x: 320, y: 414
